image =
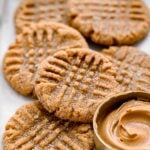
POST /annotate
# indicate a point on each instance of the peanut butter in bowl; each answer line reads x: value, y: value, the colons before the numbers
x: 123, y: 122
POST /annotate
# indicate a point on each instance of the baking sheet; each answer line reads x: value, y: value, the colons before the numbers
x: 9, y: 99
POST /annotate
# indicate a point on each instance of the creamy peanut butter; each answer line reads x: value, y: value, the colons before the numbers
x: 127, y: 127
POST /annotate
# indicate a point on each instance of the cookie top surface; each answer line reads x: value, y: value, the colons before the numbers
x: 33, y: 45
x: 110, y: 22
x: 132, y: 68
x: 73, y: 83
x: 39, y: 10
x: 32, y: 127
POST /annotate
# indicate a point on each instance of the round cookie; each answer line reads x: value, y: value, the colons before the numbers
x: 132, y: 68
x: 32, y: 127
x: 74, y: 82
x: 30, y: 11
x: 33, y: 45
x: 110, y: 22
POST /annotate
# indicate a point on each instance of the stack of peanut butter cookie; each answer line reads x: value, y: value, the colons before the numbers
x: 51, y: 62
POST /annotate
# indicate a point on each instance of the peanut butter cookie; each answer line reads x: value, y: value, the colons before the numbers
x: 30, y: 11
x: 132, y: 68
x: 74, y: 82
x: 32, y: 127
x: 33, y: 45
x: 110, y: 22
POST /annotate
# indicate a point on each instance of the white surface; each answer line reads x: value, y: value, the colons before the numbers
x: 9, y: 99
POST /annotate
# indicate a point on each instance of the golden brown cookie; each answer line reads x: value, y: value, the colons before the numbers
x: 132, y: 68
x: 30, y: 11
x: 33, y: 45
x: 32, y: 127
x: 110, y: 22
x: 73, y: 83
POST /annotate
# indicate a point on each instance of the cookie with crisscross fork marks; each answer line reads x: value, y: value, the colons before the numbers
x: 32, y: 127
x: 32, y: 46
x: 110, y: 22
x: 40, y: 10
x: 132, y: 68
x: 73, y: 83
